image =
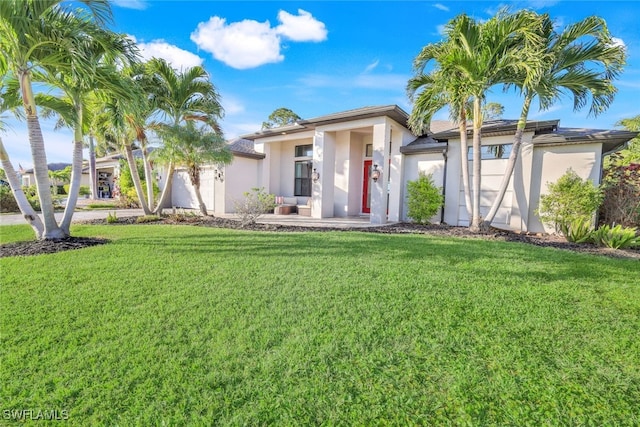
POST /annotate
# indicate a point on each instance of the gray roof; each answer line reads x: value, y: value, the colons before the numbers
x: 393, y: 111
x: 611, y: 139
x: 424, y: 144
x: 500, y: 127
x: 244, y: 148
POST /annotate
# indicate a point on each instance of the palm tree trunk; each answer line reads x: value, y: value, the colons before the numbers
x: 25, y: 207
x: 164, y: 197
x: 511, y: 164
x: 133, y: 167
x: 203, y: 207
x: 38, y: 154
x: 464, y: 161
x: 76, y: 176
x: 93, y: 184
x: 148, y: 176
x: 477, y: 167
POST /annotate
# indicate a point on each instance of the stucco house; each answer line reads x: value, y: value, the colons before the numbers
x: 358, y: 162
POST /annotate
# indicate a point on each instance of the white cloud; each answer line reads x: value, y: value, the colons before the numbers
x: 441, y: 7
x: 301, y: 28
x: 231, y: 105
x: 241, y: 45
x: 372, y: 66
x: 440, y: 29
x: 178, y: 58
x: 249, y: 44
x: 381, y: 81
x: 131, y: 4
x: 618, y: 42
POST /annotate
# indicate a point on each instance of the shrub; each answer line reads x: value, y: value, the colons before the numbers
x: 31, y: 192
x: 571, y: 199
x: 621, y: 183
x: 7, y: 200
x: 255, y: 203
x: 126, y: 187
x: 424, y: 199
x: 84, y: 190
x: 617, y: 237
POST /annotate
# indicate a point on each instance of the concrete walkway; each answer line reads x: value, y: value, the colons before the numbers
x: 291, y: 220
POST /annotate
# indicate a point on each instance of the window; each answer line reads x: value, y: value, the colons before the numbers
x: 490, y: 152
x: 302, y: 184
x: 368, y: 150
x: 304, y: 150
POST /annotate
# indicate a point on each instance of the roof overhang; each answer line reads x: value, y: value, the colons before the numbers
x: 611, y: 140
x: 392, y: 111
x: 501, y: 128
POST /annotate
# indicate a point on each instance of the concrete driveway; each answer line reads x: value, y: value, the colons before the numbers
x: 13, y: 219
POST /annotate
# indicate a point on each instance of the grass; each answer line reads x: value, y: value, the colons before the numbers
x: 181, y: 325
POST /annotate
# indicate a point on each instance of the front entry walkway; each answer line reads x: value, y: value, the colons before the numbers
x: 306, y: 221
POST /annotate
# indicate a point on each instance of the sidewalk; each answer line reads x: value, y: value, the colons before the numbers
x: 13, y: 219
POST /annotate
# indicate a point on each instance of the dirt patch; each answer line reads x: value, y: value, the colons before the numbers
x: 545, y: 240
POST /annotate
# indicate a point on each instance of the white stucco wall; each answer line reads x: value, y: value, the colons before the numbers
x: 551, y: 162
x: 241, y: 175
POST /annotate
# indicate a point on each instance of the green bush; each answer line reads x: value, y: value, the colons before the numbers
x: 84, y: 190
x: 424, y: 199
x: 31, y: 192
x: 7, y: 200
x: 127, y: 189
x: 617, y: 237
x: 571, y: 199
x: 254, y: 204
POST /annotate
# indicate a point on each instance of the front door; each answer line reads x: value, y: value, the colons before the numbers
x: 366, y: 187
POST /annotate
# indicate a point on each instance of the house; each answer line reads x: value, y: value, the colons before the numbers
x: 358, y: 162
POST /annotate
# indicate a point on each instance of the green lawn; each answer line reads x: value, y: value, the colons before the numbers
x: 181, y: 325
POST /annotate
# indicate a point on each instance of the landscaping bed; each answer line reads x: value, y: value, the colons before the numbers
x: 538, y: 239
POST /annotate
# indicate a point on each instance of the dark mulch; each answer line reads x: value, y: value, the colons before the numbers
x: 35, y: 247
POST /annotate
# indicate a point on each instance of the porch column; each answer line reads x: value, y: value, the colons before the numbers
x: 381, y: 138
x: 396, y: 188
x: 323, y: 162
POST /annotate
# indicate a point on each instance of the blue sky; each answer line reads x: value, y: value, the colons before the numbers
x: 321, y: 57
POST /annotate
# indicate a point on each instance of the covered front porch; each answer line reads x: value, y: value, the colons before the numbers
x: 347, y: 166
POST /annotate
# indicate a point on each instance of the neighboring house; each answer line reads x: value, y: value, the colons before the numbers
x: 331, y: 159
x: 28, y: 177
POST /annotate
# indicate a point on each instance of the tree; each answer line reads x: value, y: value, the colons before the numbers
x: 492, y: 111
x: 580, y: 62
x: 192, y: 147
x: 35, y: 34
x: 477, y: 56
x: 280, y: 117
x: 631, y: 154
x: 177, y: 97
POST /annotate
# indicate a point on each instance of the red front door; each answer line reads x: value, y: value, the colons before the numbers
x: 366, y: 190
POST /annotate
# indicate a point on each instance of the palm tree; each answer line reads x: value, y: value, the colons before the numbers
x: 180, y: 96
x: 580, y: 62
x: 38, y: 33
x: 78, y: 87
x: 432, y: 92
x: 478, y: 56
x: 192, y: 147
x: 120, y: 123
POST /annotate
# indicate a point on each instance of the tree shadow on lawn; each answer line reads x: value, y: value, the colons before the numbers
x: 476, y: 257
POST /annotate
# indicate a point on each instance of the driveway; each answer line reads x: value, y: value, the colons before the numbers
x: 13, y: 219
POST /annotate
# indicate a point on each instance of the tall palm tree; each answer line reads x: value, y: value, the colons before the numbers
x: 38, y: 33
x: 9, y: 101
x: 432, y: 92
x: 192, y: 147
x: 121, y: 123
x: 580, y: 62
x: 478, y: 56
x: 102, y: 50
x: 180, y: 96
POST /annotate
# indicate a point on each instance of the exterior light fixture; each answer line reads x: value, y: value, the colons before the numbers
x: 375, y: 173
x: 315, y: 175
x: 218, y: 175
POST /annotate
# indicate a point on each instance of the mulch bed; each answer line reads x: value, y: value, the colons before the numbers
x: 547, y: 240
